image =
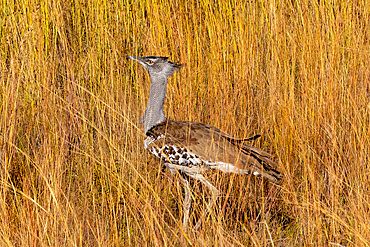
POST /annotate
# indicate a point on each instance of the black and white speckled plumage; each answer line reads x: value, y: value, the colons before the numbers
x: 176, y: 158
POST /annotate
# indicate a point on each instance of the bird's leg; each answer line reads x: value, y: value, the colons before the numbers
x: 215, y: 193
x: 187, y: 201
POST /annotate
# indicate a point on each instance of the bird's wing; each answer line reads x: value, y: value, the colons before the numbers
x: 214, y: 146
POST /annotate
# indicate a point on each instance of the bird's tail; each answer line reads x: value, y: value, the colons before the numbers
x: 265, y: 167
x: 262, y: 163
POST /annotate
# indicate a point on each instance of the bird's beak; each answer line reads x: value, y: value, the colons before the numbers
x: 132, y: 58
x: 137, y: 59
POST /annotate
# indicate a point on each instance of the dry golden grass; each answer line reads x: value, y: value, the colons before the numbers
x: 73, y: 168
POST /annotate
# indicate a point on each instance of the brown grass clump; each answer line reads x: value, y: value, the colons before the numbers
x: 73, y: 168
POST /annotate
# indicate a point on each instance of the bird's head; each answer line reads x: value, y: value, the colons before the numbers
x: 157, y: 66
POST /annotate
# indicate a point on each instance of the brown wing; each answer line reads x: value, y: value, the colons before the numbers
x: 213, y: 145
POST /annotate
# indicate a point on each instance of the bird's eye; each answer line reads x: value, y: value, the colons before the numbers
x: 150, y: 62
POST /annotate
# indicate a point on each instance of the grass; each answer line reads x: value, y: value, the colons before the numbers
x: 73, y: 168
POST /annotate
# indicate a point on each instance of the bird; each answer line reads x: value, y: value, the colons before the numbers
x: 192, y: 148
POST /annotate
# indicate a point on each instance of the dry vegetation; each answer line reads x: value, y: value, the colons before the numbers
x: 73, y: 168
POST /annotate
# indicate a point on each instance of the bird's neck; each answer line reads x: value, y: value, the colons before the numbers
x: 154, y: 113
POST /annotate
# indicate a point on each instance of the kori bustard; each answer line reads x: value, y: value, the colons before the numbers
x: 192, y: 148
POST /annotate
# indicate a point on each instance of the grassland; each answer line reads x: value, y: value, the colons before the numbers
x: 73, y: 168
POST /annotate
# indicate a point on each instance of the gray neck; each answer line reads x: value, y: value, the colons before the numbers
x: 154, y: 113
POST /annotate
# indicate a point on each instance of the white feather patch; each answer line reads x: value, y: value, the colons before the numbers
x: 226, y: 167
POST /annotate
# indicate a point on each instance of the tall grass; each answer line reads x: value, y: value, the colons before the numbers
x: 73, y: 168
